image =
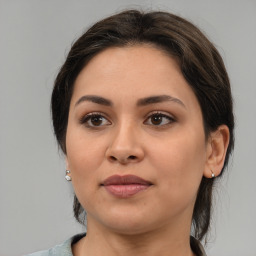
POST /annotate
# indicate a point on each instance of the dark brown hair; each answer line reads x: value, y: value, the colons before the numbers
x: 200, y: 63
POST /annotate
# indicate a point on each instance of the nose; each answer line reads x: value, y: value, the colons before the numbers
x: 125, y: 146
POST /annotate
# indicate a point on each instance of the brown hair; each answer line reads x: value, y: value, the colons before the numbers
x: 200, y: 63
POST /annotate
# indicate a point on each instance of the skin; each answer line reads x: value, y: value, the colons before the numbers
x: 173, y: 155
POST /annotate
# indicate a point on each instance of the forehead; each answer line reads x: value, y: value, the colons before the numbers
x: 135, y: 59
x: 132, y: 72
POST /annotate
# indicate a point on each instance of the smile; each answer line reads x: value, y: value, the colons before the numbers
x: 125, y: 186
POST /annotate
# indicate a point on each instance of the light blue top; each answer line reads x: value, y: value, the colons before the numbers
x: 65, y: 249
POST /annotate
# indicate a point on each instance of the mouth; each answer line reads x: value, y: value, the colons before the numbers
x: 125, y: 186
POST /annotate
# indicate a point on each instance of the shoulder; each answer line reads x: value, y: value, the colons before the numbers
x: 63, y: 249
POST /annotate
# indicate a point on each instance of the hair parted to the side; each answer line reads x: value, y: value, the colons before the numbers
x: 200, y: 63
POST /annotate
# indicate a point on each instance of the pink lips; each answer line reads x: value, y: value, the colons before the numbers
x: 125, y: 186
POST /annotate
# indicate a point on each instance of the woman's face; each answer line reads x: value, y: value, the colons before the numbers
x: 133, y: 113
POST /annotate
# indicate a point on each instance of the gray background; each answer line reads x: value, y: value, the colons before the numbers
x: 35, y: 36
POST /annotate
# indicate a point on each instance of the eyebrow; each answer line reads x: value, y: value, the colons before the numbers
x: 140, y: 103
x: 95, y: 99
x: 158, y: 99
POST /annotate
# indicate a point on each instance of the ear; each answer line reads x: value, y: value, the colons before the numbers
x: 68, y: 172
x: 67, y: 163
x: 216, y: 151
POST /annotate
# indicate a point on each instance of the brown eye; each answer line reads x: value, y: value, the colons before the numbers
x: 159, y: 119
x: 94, y: 120
x: 156, y: 119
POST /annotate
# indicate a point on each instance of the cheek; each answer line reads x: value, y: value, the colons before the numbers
x: 84, y: 156
x: 180, y: 162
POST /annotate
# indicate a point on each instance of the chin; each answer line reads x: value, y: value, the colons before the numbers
x: 130, y: 222
x: 130, y: 228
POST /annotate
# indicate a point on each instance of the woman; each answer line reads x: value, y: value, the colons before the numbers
x: 142, y: 110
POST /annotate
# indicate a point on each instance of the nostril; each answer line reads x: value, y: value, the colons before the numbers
x: 113, y: 158
x: 122, y: 159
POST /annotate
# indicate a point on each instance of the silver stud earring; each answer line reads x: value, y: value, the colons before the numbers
x: 213, y: 175
x: 67, y: 177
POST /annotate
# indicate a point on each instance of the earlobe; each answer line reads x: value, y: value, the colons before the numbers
x: 216, y: 151
x: 68, y: 172
x: 67, y: 163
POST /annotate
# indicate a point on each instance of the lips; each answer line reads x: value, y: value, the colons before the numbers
x: 125, y: 186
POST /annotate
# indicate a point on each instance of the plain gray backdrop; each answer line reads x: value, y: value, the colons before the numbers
x: 35, y: 36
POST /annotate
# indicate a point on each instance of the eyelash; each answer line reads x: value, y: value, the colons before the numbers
x: 88, y: 118
x: 162, y: 115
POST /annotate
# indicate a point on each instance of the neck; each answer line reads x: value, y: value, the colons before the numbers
x: 162, y: 242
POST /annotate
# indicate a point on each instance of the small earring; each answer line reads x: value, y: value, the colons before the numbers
x: 213, y: 175
x: 67, y: 177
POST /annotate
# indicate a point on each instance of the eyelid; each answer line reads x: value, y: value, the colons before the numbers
x: 82, y: 120
x: 85, y: 118
x: 158, y: 112
x: 161, y: 113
